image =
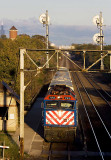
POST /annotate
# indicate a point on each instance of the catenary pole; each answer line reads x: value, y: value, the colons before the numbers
x: 22, y: 52
x: 84, y: 54
x: 110, y: 62
x: 57, y: 59
x: 47, y: 38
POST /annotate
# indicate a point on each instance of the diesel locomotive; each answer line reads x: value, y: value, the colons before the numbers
x: 60, y: 109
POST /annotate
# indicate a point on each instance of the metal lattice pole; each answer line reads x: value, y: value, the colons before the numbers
x: 101, y: 41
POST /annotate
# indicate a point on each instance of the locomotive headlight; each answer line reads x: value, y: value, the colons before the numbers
x: 59, y: 97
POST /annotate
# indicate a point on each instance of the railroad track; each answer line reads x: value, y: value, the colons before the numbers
x: 95, y: 125
x: 104, y: 94
x: 59, y: 151
x: 56, y: 151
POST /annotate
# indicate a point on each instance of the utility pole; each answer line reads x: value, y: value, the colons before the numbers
x: 22, y: 88
x: 47, y: 38
x: 101, y: 40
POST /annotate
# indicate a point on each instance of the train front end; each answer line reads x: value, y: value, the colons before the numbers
x: 60, y: 114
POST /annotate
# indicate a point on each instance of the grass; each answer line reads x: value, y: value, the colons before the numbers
x: 13, y: 152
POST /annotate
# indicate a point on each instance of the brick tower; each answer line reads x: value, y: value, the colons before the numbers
x: 13, y: 33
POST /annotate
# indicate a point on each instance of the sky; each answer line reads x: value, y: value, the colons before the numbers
x: 61, y: 12
x: 65, y: 12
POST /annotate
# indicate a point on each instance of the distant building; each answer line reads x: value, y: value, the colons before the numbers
x: 13, y: 33
x: 2, y: 32
x: 66, y: 47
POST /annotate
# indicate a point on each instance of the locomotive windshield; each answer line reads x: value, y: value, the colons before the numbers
x: 56, y: 104
x: 67, y: 105
x: 51, y: 104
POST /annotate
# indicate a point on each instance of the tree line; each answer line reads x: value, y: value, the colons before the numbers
x: 10, y: 62
x: 10, y: 58
x: 91, y: 57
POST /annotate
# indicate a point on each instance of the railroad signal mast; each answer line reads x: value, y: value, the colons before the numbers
x: 44, y: 19
x: 99, y: 37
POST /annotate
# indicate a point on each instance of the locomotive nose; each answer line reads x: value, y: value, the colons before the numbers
x: 60, y: 113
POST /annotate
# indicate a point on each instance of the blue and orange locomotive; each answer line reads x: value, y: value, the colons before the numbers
x: 60, y: 109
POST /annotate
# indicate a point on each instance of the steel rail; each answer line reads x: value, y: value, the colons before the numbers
x: 83, y: 135
x: 99, y: 92
x: 95, y: 109
x: 50, y: 152
x: 100, y: 87
x: 71, y: 61
x: 101, y: 154
x: 68, y: 154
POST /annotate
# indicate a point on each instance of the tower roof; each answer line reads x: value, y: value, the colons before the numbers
x: 13, y: 28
